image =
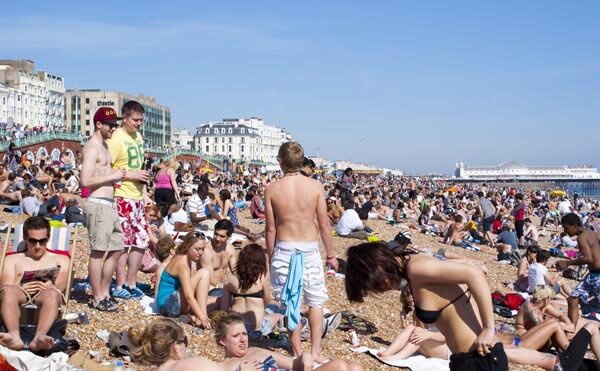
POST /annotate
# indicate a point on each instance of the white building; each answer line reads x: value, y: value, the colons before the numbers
x: 241, y: 139
x: 29, y: 98
x: 512, y: 170
x: 182, y: 139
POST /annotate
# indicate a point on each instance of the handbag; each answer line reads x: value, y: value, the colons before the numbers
x: 149, y: 262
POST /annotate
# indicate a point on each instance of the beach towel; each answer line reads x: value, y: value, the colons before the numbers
x: 415, y: 363
x: 292, y: 290
x: 27, y: 361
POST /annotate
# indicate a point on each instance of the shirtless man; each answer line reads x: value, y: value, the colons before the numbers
x: 46, y: 294
x: 8, y: 189
x: 296, y: 213
x: 220, y: 254
x: 102, y: 219
x: 589, y: 246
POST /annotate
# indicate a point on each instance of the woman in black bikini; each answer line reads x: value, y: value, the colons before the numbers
x: 457, y: 299
x: 248, y: 290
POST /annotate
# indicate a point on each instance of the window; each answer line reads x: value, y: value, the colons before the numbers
x: 243, y: 131
x: 230, y: 140
x: 230, y: 131
x: 229, y: 149
x: 223, y: 131
x: 87, y: 111
x: 18, y: 98
x: 207, y: 131
x: 222, y: 139
x: 242, y: 148
x: 223, y: 149
x: 87, y: 100
x: 216, y: 139
x: 207, y: 149
x: 243, y: 139
x: 216, y: 131
x: 207, y: 140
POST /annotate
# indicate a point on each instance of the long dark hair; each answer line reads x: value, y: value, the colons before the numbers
x: 373, y: 268
x: 251, y: 265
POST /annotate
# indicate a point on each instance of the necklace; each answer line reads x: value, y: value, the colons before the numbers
x: 291, y: 174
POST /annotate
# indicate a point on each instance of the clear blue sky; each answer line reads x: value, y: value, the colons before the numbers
x: 414, y: 85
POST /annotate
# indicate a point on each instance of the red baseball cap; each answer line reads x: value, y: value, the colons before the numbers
x: 106, y: 114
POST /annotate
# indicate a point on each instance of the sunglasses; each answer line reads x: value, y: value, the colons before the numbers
x: 41, y: 241
x: 184, y: 341
x: 199, y: 235
x: 111, y: 125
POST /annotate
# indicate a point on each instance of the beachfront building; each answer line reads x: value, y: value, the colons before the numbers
x: 30, y: 99
x: 182, y: 139
x: 357, y: 167
x: 512, y: 170
x: 241, y: 140
x: 81, y: 105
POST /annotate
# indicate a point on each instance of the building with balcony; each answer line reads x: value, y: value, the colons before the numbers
x: 241, y: 140
x: 82, y: 104
x: 31, y: 99
x: 512, y: 170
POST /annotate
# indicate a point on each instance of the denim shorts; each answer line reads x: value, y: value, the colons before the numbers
x: 172, y: 306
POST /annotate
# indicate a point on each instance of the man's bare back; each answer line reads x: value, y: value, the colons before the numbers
x: 294, y: 200
x: 587, y: 241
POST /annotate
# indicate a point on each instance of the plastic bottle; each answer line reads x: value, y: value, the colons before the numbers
x: 118, y: 365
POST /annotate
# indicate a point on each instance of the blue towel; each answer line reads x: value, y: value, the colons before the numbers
x: 292, y: 290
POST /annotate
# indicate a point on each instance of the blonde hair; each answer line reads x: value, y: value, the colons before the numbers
x: 190, y: 239
x: 291, y: 155
x: 172, y: 163
x: 153, y: 343
x: 543, y: 292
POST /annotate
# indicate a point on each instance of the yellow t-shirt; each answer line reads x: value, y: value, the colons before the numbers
x: 127, y: 152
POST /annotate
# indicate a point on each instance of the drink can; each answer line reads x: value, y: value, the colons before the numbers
x: 329, y: 270
x: 117, y: 183
x: 72, y: 317
x: 83, y: 318
x: 354, y: 340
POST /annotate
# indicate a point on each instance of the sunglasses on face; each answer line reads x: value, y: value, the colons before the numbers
x: 41, y: 241
x: 183, y: 341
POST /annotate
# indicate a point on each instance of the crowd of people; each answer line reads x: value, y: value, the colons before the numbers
x: 179, y: 223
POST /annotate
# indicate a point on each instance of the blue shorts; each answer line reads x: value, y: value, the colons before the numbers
x: 589, y: 286
x: 172, y: 306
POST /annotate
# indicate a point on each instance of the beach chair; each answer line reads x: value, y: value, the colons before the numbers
x: 59, y: 243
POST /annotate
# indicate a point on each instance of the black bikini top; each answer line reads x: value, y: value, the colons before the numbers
x: 258, y: 294
x: 430, y: 316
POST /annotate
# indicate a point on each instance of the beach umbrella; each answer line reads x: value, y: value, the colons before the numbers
x: 453, y: 189
x: 557, y: 193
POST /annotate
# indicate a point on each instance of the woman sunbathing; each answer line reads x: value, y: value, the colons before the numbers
x: 230, y: 333
x: 457, y: 300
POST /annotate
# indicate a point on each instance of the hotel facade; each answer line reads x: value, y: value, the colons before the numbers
x: 241, y: 140
x: 31, y: 99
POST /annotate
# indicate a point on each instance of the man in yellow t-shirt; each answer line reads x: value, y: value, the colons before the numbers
x: 127, y: 152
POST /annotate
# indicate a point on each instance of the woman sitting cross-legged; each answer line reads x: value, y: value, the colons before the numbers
x: 231, y: 334
x: 181, y: 288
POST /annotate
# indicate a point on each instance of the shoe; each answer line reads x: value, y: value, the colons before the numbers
x: 104, y: 306
x: 331, y: 323
x: 121, y: 294
x: 135, y: 292
x: 112, y: 300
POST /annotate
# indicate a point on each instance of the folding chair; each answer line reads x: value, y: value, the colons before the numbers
x: 59, y: 243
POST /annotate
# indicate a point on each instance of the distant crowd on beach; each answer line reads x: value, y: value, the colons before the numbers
x: 179, y: 223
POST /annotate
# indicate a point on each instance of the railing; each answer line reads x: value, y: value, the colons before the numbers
x: 43, y: 137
